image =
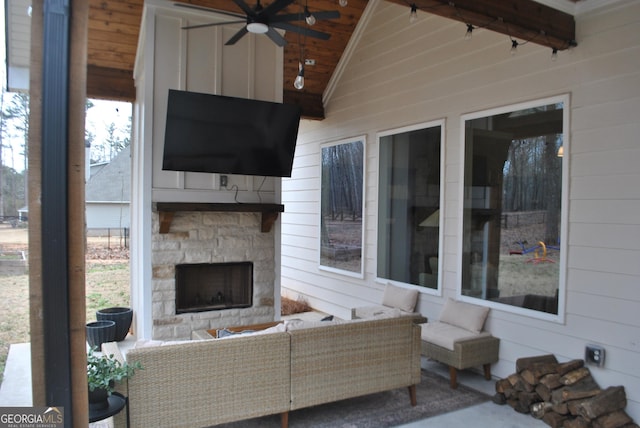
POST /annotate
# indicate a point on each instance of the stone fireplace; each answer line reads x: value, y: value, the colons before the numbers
x: 211, y: 269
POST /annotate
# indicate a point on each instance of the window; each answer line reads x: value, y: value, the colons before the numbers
x: 409, y: 206
x: 512, y: 208
x: 342, y: 206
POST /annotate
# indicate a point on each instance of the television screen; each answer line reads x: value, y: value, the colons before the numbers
x: 227, y: 135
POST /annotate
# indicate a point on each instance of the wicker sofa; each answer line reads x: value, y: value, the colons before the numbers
x: 209, y: 382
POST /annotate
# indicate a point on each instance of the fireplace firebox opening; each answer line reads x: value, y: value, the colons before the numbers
x: 213, y: 286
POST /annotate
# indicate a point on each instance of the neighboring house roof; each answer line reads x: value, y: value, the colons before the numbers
x: 111, y: 182
x: 96, y: 167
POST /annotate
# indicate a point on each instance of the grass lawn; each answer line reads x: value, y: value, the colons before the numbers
x: 107, y: 285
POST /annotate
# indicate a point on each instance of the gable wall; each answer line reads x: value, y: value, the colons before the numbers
x: 401, y: 74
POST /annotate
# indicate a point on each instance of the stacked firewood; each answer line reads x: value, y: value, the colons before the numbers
x: 563, y: 395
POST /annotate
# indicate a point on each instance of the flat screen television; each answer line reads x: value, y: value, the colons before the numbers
x: 227, y: 135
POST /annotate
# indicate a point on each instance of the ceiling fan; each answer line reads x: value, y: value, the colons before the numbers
x: 265, y: 20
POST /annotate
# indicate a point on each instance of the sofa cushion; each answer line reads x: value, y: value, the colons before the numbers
x: 465, y: 315
x: 402, y: 298
x: 150, y: 343
x: 225, y: 334
x: 377, y: 312
x: 297, y: 324
x: 446, y: 335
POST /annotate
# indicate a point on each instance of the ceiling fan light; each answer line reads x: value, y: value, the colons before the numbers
x: 257, y: 27
x: 343, y: 3
x: 311, y: 20
x: 299, y: 82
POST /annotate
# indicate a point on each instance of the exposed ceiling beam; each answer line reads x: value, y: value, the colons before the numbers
x: 522, y: 20
x: 110, y: 84
x: 311, y: 104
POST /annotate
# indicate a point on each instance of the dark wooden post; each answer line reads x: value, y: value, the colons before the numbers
x: 56, y: 190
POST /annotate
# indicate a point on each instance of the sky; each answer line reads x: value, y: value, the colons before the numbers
x: 97, y: 121
x: 103, y: 113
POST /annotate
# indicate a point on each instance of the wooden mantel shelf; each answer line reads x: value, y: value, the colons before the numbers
x: 269, y: 211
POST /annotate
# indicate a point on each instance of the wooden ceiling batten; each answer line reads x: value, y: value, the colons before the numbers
x: 523, y: 20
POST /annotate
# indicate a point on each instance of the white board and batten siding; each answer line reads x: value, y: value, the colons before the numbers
x: 197, y: 60
x: 399, y: 75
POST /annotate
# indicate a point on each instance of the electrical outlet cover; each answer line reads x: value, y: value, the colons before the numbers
x: 594, y: 355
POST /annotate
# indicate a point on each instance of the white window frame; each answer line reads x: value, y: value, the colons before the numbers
x: 564, y: 213
x: 360, y: 275
x: 424, y: 125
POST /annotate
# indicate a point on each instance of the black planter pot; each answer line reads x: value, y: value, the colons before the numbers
x: 99, y: 332
x: 121, y: 316
x: 98, y: 399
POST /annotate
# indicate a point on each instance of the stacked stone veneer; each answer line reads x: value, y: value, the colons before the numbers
x: 210, y: 237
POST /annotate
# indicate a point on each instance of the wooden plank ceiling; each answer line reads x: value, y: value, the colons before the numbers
x: 114, y: 26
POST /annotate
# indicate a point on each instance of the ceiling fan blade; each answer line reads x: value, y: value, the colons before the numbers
x: 287, y: 17
x: 276, y: 37
x: 320, y: 15
x: 245, y: 7
x: 213, y: 24
x: 326, y: 14
x: 208, y: 9
x: 301, y: 30
x: 276, y: 7
x: 237, y: 36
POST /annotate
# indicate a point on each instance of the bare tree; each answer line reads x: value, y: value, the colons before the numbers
x: 2, y: 127
x: 15, y: 124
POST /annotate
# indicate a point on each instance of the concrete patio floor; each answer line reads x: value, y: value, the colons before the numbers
x: 16, y: 391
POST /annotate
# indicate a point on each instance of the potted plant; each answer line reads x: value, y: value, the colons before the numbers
x: 102, y: 373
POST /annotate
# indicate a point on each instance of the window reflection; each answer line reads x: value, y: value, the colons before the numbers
x: 342, y: 206
x: 409, y: 207
x: 512, y: 207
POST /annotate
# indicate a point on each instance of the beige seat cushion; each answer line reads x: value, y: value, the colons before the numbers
x: 446, y: 335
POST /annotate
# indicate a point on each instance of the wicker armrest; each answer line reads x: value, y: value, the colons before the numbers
x: 113, y: 350
x: 483, y: 350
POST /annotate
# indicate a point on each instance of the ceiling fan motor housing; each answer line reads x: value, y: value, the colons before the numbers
x: 261, y: 20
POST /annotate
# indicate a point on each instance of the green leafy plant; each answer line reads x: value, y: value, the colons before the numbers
x: 104, y: 370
